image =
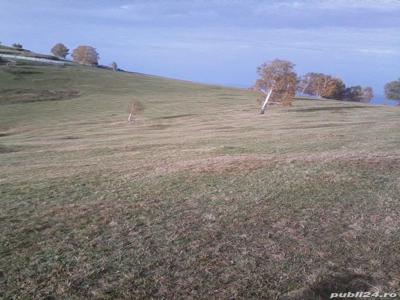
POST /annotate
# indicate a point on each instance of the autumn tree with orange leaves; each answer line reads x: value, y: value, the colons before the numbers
x: 86, y: 55
x: 279, y: 78
x: 321, y: 85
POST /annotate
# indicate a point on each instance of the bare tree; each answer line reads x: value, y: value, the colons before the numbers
x: 278, y: 81
x: 304, y: 84
x: 134, y: 108
x: 60, y: 50
x: 86, y: 55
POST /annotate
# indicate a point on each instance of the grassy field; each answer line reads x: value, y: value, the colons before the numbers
x: 201, y: 198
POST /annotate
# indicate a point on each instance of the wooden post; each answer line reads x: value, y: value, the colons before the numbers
x: 264, y: 106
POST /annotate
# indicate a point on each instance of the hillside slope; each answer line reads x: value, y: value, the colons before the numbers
x: 201, y: 198
x: 103, y: 92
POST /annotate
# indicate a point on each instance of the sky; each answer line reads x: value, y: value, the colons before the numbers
x: 218, y: 41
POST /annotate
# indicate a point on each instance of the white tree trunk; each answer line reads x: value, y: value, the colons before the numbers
x: 264, y: 106
x: 305, y: 87
x: 130, y: 118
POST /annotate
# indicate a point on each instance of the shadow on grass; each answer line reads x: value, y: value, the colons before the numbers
x: 9, y: 149
x: 158, y: 126
x: 314, y: 126
x: 70, y: 137
x: 331, y: 282
x: 176, y: 116
x: 333, y: 109
x: 10, y: 96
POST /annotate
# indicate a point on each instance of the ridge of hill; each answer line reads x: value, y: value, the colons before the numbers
x: 14, y: 55
x: 7, y: 52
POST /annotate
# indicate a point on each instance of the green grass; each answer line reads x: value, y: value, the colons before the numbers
x: 201, y: 198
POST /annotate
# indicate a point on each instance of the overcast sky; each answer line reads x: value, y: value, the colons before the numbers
x: 219, y: 41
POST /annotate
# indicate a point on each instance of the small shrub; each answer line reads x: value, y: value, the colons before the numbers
x: 17, y: 46
x: 134, y: 108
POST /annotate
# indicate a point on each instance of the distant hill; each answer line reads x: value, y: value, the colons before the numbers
x: 12, y: 53
x: 95, y: 92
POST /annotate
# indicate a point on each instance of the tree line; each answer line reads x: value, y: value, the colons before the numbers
x: 277, y: 79
x: 86, y: 55
x: 280, y: 82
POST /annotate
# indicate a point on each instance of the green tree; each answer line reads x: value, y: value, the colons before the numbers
x: 353, y: 93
